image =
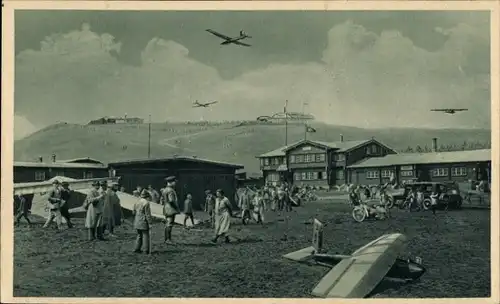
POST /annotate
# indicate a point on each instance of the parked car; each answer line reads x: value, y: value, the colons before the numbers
x: 449, y: 194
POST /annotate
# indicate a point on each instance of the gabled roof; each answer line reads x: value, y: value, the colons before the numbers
x: 57, y: 165
x: 426, y: 158
x: 339, y: 146
x: 175, y: 159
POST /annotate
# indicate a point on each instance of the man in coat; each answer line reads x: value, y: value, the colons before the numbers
x: 65, y: 196
x: 117, y: 208
x: 170, y: 207
x: 108, y: 218
x: 155, y: 196
x: 93, y: 219
x: 210, y: 206
x: 54, y: 205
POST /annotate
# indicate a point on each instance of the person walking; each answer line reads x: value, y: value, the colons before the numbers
x: 223, y: 214
x: 143, y: 222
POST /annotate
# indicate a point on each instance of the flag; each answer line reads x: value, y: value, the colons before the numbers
x: 310, y: 129
x: 286, y: 104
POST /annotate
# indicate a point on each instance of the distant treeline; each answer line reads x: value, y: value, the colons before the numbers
x: 450, y: 147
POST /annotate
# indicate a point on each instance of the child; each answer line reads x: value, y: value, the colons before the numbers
x: 142, y: 222
x: 420, y: 197
x: 434, y: 201
x: 258, y: 208
x: 188, y: 209
x: 411, y: 198
x: 22, y: 209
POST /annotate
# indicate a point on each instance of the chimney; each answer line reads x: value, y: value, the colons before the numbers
x: 40, y: 159
x: 53, y: 158
x: 434, y: 144
x: 341, y: 138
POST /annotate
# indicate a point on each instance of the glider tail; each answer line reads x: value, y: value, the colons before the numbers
x: 308, y: 252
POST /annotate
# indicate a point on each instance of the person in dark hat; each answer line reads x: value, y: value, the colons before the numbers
x: 65, y: 196
x: 170, y: 207
x: 210, y: 206
x: 54, y: 205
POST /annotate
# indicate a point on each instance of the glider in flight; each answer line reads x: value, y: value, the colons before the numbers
x: 449, y: 111
x: 229, y: 40
x: 196, y: 104
x: 357, y: 275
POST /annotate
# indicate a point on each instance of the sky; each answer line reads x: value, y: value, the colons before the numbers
x: 367, y: 69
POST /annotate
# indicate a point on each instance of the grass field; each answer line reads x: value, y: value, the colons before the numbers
x: 225, y: 142
x: 455, y: 247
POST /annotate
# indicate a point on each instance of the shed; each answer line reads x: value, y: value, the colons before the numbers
x: 194, y: 176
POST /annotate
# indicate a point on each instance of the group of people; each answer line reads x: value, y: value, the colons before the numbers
x: 253, y: 203
x: 218, y: 207
x: 103, y: 210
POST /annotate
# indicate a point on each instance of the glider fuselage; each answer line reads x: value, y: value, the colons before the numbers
x: 401, y: 270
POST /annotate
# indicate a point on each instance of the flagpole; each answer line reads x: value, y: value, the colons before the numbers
x: 149, y: 137
x: 286, y: 123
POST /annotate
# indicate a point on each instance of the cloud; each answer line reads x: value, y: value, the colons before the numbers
x: 363, y: 79
x: 22, y: 127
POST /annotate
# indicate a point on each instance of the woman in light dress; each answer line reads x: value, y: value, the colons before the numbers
x: 223, y: 214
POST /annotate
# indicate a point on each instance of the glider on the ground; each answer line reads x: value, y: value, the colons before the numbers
x: 229, y: 40
x: 356, y: 275
x: 196, y: 104
x: 36, y: 195
x: 449, y: 111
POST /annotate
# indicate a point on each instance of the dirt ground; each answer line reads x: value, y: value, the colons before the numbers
x: 454, y: 245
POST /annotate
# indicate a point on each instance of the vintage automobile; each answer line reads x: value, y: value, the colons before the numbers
x: 449, y: 198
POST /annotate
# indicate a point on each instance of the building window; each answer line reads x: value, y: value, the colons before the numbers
x: 339, y: 174
x: 39, y: 175
x: 372, y: 174
x: 374, y: 149
x: 275, y: 161
x: 292, y: 159
x: 459, y: 171
x: 386, y: 173
x: 266, y: 161
x: 283, y: 160
x: 440, y: 172
x: 273, y: 177
x: 320, y: 158
x: 325, y: 175
x: 87, y: 175
x: 297, y: 176
x: 408, y: 173
x: 338, y: 157
x: 309, y: 158
x: 60, y: 173
x: 303, y: 176
x: 406, y: 168
x: 299, y: 158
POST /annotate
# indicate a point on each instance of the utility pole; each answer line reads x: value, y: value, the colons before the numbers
x: 149, y: 137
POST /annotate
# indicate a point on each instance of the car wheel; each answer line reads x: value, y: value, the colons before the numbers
x: 426, y: 204
x: 358, y: 214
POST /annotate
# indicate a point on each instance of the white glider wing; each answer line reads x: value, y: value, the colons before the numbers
x: 357, y: 276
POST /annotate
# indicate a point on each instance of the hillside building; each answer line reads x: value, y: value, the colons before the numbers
x: 318, y: 163
x: 79, y: 168
x: 194, y: 176
x: 117, y: 120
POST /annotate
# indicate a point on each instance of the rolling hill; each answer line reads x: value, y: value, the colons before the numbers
x: 231, y: 142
